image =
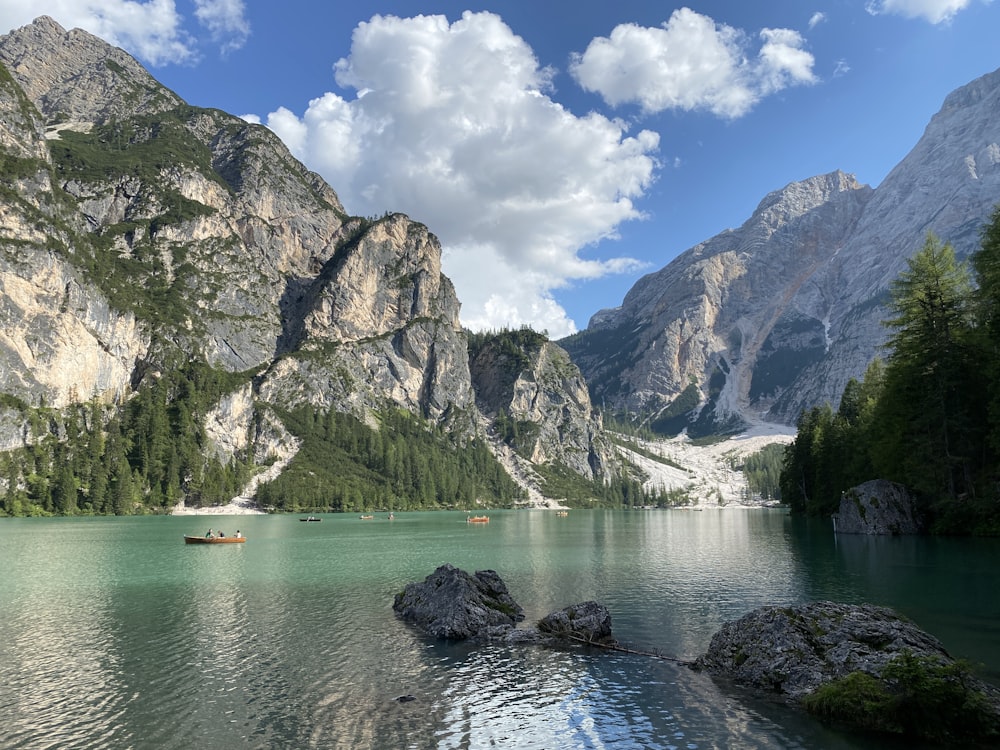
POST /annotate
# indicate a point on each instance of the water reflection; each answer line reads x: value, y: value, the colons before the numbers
x: 62, y: 676
x: 116, y: 634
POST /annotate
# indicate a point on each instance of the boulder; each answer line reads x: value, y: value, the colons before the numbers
x: 794, y: 650
x: 859, y: 666
x: 451, y: 603
x: 588, y: 621
x: 877, y: 507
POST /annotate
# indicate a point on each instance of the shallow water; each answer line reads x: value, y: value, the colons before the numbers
x: 116, y: 634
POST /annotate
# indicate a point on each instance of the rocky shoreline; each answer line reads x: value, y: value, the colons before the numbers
x: 858, y: 666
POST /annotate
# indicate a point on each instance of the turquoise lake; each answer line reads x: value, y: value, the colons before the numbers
x: 115, y: 634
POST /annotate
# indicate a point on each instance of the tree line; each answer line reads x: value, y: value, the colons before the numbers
x: 407, y: 464
x: 927, y: 415
x: 142, y: 456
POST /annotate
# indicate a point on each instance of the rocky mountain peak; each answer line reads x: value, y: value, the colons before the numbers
x: 776, y: 316
x: 152, y: 240
x: 706, y: 318
x: 75, y: 77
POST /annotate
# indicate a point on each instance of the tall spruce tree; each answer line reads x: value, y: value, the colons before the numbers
x: 925, y: 426
x: 986, y: 263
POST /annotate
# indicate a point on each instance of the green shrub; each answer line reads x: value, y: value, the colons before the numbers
x: 919, y: 697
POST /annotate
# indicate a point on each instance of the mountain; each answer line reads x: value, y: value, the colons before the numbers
x: 776, y: 316
x: 152, y: 247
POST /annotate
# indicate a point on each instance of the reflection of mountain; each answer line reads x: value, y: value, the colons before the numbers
x: 778, y: 314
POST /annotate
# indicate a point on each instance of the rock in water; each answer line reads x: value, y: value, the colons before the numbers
x: 451, y: 603
x: 858, y: 666
x: 877, y: 507
x: 587, y: 621
x: 793, y: 650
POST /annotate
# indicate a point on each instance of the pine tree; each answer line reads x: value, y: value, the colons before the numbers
x: 986, y: 263
x: 926, y: 413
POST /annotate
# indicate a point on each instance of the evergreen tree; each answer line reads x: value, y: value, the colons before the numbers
x: 986, y: 263
x: 925, y: 422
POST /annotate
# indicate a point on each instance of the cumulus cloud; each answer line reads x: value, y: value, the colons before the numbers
x: 452, y: 124
x: 691, y: 63
x: 153, y: 31
x: 225, y: 21
x: 935, y: 11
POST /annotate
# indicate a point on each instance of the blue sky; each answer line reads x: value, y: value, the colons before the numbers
x: 560, y: 150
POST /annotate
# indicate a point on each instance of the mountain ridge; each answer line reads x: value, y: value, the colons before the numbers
x: 144, y: 240
x: 823, y: 258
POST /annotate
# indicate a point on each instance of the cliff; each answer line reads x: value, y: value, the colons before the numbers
x: 777, y: 315
x: 141, y: 236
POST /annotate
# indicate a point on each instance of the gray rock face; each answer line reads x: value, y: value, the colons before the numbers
x: 877, y: 507
x: 720, y: 311
x: 541, y: 385
x: 794, y: 650
x: 79, y: 76
x: 588, y: 621
x: 256, y: 267
x: 451, y: 603
x: 776, y: 316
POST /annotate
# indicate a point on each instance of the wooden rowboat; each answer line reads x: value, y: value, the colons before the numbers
x: 478, y: 519
x: 311, y: 519
x: 214, y: 539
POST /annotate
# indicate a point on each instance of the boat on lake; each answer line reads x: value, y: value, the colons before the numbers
x: 478, y: 519
x: 311, y: 518
x: 214, y: 539
x: 366, y: 518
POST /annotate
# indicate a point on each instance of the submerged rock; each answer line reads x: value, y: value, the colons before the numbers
x: 877, y: 507
x: 453, y: 604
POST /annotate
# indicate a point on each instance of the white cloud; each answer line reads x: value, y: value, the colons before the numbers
x: 153, y: 31
x: 816, y: 19
x: 691, y: 63
x: 225, y: 21
x: 935, y: 11
x: 452, y: 125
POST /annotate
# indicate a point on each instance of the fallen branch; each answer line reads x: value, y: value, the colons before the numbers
x: 628, y: 650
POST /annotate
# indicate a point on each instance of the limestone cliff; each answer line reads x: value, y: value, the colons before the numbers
x: 134, y: 227
x: 776, y: 316
x: 719, y: 314
x: 537, y: 401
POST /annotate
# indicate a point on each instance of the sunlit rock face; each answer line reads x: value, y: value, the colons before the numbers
x: 137, y: 231
x: 542, y: 386
x: 777, y: 315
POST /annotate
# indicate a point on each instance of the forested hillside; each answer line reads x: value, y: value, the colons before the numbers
x: 928, y: 416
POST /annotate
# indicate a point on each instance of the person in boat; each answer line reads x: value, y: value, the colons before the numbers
x: 209, y: 534
x: 237, y: 533
x: 221, y: 535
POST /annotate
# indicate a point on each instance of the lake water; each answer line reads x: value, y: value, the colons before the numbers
x: 115, y: 634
